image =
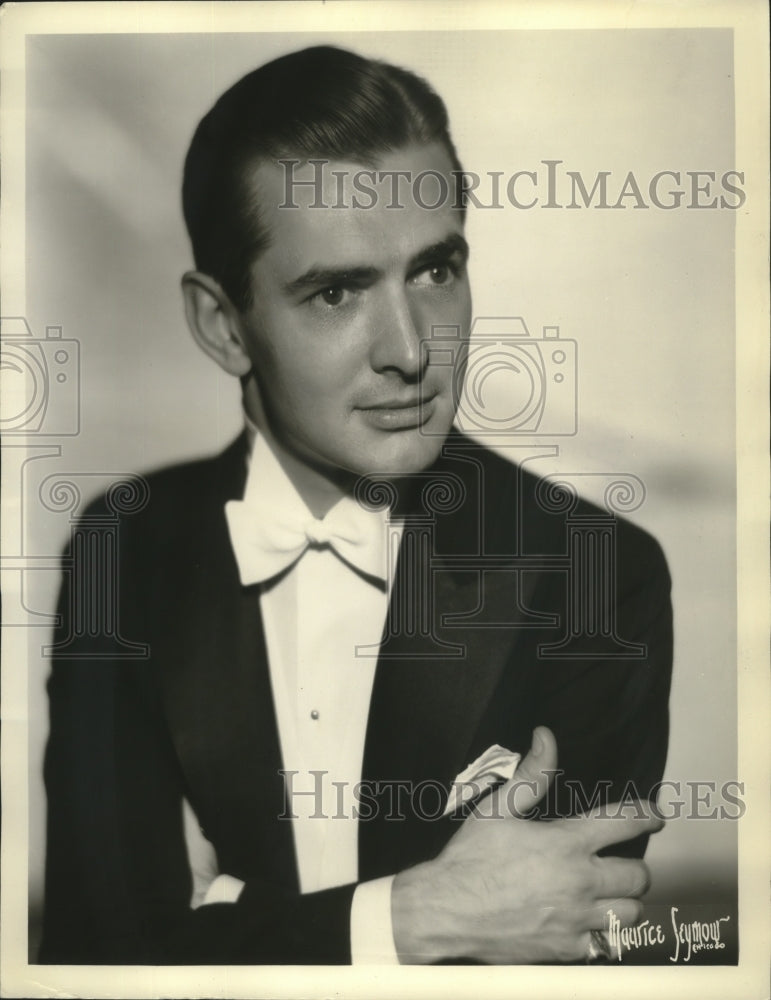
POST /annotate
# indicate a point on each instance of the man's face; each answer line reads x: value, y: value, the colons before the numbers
x: 344, y: 300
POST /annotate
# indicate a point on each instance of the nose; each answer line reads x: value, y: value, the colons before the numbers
x: 397, y: 342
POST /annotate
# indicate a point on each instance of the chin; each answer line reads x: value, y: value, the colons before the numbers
x: 415, y: 453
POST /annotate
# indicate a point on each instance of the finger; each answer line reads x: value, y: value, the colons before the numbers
x: 533, y: 776
x: 621, y: 877
x: 612, y: 824
x: 619, y: 912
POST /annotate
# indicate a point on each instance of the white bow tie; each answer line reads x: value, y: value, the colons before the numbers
x: 266, y: 540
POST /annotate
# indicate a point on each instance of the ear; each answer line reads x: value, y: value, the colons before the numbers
x: 213, y: 322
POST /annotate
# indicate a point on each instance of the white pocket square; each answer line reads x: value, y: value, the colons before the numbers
x: 496, y: 764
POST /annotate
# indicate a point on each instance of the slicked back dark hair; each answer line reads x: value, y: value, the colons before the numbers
x: 321, y: 102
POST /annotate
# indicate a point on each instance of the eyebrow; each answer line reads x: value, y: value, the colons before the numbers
x: 328, y: 277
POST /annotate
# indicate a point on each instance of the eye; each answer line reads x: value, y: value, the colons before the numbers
x: 331, y: 296
x: 439, y: 274
x: 435, y: 274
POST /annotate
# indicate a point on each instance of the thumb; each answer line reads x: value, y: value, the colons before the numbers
x: 533, y: 776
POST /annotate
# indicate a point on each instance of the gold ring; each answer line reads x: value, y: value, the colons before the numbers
x: 599, y: 949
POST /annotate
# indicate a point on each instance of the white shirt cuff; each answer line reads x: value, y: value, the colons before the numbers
x: 372, y: 935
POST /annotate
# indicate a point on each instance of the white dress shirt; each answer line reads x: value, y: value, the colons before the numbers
x: 323, y: 622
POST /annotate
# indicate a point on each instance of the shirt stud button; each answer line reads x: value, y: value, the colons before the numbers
x: 314, y: 714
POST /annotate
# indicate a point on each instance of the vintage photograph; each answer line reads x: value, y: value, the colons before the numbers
x: 372, y: 522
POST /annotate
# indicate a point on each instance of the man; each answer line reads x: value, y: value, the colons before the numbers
x: 255, y: 790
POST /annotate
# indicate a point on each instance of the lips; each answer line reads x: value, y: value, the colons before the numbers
x: 399, y: 414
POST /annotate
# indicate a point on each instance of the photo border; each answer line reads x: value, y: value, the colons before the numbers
x: 749, y: 20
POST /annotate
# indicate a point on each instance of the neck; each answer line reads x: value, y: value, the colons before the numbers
x: 320, y: 488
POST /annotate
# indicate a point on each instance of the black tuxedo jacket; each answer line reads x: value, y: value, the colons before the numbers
x: 130, y: 738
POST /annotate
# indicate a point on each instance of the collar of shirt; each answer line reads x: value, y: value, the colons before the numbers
x: 271, y: 527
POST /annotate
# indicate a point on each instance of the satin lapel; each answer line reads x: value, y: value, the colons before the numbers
x: 219, y: 704
x: 424, y: 717
x: 430, y: 716
x: 422, y: 706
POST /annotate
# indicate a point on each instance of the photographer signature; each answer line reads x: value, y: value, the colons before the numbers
x: 690, y: 937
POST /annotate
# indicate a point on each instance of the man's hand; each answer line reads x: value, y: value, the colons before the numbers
x: 509, y: 891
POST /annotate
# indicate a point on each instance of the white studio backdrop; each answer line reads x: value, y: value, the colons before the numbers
x: 647, y: 294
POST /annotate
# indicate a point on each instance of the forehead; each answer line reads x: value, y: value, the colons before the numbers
x: 339, y: 212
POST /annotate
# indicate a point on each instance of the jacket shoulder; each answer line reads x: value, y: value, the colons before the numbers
x: 523, y: 511
x: 176, y: 491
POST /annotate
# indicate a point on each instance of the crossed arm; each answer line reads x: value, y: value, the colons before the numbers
x: 509, y: 891
x: 503, y: 890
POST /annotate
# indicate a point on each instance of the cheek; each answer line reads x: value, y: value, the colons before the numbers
x: 308, y: 389
x: 316, y: 370
x: 283, y: 363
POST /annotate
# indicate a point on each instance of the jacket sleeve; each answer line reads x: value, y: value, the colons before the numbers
x: 610, y: 714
